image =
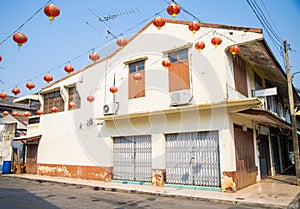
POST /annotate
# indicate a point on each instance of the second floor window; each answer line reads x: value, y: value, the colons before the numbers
x: 74, y: 97
x: 240, y: 75
x: 179, y: 73
x: 136, y: 89
x: 53, y: 99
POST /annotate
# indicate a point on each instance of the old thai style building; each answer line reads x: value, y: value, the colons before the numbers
x: 212, y: 119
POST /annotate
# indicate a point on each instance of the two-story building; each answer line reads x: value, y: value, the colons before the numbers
x: 211, y: 119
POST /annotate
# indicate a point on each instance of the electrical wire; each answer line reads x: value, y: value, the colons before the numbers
x: 85, y: 53
x: 274, y: 37
x: 8, y: 36
x: 276, y: 30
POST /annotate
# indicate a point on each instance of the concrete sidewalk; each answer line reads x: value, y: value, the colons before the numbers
x: 270, y: 193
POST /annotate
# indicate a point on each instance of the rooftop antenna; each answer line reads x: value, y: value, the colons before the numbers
x: 106, y: 19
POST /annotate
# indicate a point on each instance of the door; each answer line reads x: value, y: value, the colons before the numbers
x: 31, y: 158
x: 193, y: 159
x: 132, y: 159
x: 276, y: 155
x: 245, y: 161
x: 264, y: 156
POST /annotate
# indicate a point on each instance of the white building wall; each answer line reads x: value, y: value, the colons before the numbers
x: 74, y: 137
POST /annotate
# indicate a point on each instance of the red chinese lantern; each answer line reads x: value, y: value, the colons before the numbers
x: 15, y: 113
x: 216, y: 41
x: 159, y: 22
x: 72, y: 105
x: 15, y: 91
x: 122, y: 42
x: 194, y: 26
x: 0, y: 58
x: 137, y: 77
x: 234, y: 50
x: 5, y: 113
x: 90, y: 98
x: 27, y: 114
x: 20, y: 38
x: 173, y: 9
x: 39, y: 112
x: 199, y: 45
x: 94, y: 56
x: 54, y: 109
x: 166, y: 63
x: 3, y: 95
x: 113, y: 89
x: 51, y: 11
x: 48, y: 78
x: 30, y: 85
x: 69, y: 68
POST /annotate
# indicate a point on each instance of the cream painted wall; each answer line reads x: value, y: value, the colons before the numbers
x: 77, y: 138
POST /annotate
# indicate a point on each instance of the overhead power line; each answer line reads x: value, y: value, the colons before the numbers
x: 274, y: 36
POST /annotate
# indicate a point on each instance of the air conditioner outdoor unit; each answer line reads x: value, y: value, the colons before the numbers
x: 181, y: 97
x: 110, y: 109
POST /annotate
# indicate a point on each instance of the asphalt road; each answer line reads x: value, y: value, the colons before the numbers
x: 18, y: 193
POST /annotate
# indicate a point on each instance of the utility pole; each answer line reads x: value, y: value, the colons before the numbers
x: 292, y: 109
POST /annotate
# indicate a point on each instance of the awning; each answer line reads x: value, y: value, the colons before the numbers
x: 258, y: 53
x: 24, y: 139
x: 265, y: 117
x: 234, y: 105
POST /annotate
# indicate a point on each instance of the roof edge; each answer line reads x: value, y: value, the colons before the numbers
x: 183, y: 22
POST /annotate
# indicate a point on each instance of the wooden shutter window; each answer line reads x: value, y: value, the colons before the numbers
x: 240, y: 76
x: 74, y: 97
x: 136, y: 89
x: 53, y: 99
x: 179, y: 72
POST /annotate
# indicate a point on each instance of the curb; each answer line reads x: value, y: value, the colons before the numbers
x: 293, y: 205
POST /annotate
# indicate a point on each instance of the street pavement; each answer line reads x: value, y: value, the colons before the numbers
x: 275, y: 192
x: 16, y: 193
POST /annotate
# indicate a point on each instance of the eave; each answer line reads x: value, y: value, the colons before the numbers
x: 259, y: 55
x: 231, y: 104
x: 264, y: 117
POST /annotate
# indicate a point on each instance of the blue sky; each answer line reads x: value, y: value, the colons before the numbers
x: 70, y: 38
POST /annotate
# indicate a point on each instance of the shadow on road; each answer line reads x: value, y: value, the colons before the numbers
x: 21, y: 199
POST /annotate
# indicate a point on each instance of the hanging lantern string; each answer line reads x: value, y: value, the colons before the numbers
x: 83, y: 54
x: 117, y: 80
x: 143, y: 21
x: 7, y: 37
x: 226, y: 37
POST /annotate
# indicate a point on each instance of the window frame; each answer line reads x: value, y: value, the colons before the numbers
x: 74, y: 97
x: 53, y: 99
x: 179, y: 71
x: 136, y: 89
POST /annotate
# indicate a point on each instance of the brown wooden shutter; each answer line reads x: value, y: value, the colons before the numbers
x: 74, y: 97
x: 240, y: 76
x: 53, y: 99
x: 179, y: 76
x: 136, y: 89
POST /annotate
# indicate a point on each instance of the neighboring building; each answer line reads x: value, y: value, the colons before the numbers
x: 12, y: 127
x: 198, y: 123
